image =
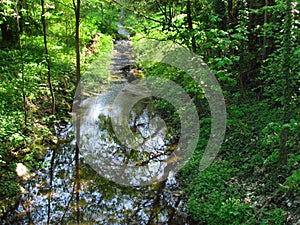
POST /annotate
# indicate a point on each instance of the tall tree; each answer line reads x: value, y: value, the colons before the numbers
x: 190, y: 26
x: 47, y: 57
x: 77, y: 39
x: 286, y: 73
x: 22, y: 66
x: 77, y: 44
x: 220, y: 11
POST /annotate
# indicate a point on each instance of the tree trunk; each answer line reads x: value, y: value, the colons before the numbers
x: 7, y: 34
x: 230, y: 13
x: 22, y: 71
x: 21, y: 16
x: 265, y: 44
x: 77, y: 40
x: 220, y: 10
x: 286, y: 73
x: 190, y: 26
x: 47, y: 58
x: 77, y: 45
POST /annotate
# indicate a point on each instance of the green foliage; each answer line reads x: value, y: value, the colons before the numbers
x: 215, y: 190
x: 275, y: 216
x: 293, y: 181
x: 272, y: 71
x: 99, y: 16
x: 9, y: 189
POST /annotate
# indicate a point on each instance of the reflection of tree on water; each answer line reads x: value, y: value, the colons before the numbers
x: 101, y: 201
x: 103, y: 149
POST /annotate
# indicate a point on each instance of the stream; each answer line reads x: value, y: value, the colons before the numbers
x: 52, y: 196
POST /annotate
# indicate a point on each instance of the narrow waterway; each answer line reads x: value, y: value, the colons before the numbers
x: 51, y: 194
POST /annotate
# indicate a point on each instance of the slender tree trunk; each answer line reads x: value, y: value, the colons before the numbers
x: 7, y: 34
x: 254, y: 52
x: 190, y: 25
x: 22, y: 70
x: 77, y: 40
x: 77, y: 43
x: 265, y: 44
x: 21, y: 16
x: 48, y: 58
x: 286, y: 72
x: 230, y: 13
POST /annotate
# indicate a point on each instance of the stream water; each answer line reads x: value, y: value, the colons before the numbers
x: 52, y: 195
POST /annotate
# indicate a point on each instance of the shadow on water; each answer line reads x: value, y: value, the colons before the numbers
x: 50, y: 195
